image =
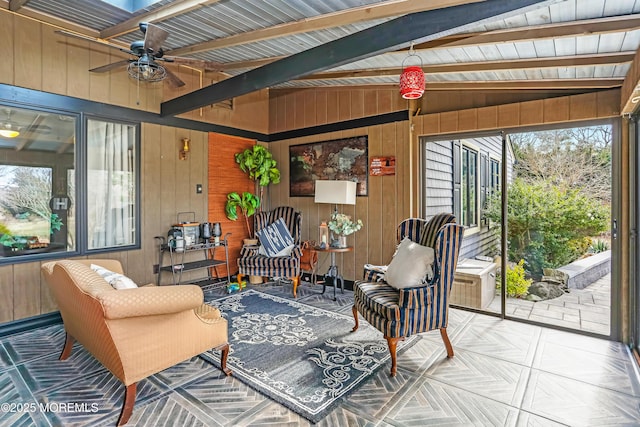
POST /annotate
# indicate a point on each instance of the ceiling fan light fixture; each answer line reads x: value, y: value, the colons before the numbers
x: 8, y: 130
x: 146, y: 71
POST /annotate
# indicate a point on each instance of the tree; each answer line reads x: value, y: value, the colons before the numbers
x: 28, y: 191
x: 570, y: 159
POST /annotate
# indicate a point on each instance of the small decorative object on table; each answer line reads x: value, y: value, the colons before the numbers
x: 342, y: 225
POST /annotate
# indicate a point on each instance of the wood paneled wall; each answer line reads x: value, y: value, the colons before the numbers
x: 389, y: 200
x: 381, y: 210
x: 296, y: 109
x: 225, y: 176
x: 35, y: 57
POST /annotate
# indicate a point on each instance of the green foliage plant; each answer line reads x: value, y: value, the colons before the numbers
x: 517, y: 283
x: 247, y: 203
x: 548, y: 225
x: 599, y: 246
x: 258, y: 163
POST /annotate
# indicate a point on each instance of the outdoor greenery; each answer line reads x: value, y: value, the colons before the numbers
x: 517, y: 282
x: 598, y: 246
x: 559, y: 197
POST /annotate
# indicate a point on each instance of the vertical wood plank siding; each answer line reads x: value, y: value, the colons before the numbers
x: 35, y: 57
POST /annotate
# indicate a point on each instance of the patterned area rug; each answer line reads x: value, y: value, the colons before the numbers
x: 303, y: 357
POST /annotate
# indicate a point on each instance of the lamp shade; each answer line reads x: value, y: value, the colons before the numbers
x: 412, y: 82
x: 336, y: 192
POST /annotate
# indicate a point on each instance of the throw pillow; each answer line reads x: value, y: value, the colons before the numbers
x: 117, y: 280
x: 275, y: 238
x: 411, y: 265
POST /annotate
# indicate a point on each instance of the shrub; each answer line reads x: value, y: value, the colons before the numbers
x: 548, y: 225
x: 517, y: 283
x: 599, y: 246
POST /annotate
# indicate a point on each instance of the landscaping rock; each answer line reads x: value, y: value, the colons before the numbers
x: 545, y: 290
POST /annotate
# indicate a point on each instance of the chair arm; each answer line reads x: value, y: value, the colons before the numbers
x: 247, y: 251
x: 150, y: 300
x: 412, y: 298
x: 374, y: 273
x: 296, y: 252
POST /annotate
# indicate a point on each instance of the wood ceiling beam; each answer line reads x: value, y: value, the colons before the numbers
x: 527, y: 84
x: 547, y: 31
x: 15, y: 5
x: 167, y: 11
x: 328, y: 20
x: 469, y: 67
x: 363, y: 44
x: 630, y: 92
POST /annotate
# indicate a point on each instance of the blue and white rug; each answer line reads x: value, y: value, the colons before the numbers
x: 303, y: 357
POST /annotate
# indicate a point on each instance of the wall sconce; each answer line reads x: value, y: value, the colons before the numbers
x: 182, y: 154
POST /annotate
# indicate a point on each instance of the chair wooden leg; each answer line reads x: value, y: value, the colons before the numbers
x: 355, y: 318
x: 296, y: 282
x: 223, y: 359
x: 393, y: 344
x: 127, y: 407
x: 68, y: 347
x: 447, y: 343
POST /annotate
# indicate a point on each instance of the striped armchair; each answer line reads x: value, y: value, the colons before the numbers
x: 400, y: 313
x: 252, y: 263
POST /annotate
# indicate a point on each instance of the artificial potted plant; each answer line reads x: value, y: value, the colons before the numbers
x: 258, y: 163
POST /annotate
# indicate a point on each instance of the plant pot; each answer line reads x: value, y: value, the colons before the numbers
x: 255, y: 280
x: 250, y: 242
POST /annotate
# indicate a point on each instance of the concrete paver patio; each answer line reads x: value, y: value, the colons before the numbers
x: 587, y: 309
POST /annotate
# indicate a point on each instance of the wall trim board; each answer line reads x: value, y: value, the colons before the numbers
x: 23, y: 325
x: 36, y: 98
x: 380, y: 119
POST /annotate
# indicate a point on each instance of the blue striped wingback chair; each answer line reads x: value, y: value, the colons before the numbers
x: 400, y: 313
x: 252, y: 263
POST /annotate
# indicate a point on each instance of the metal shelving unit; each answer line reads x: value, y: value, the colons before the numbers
x: 177, y: 264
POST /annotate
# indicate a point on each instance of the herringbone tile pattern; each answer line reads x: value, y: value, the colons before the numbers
x: 503, y: 374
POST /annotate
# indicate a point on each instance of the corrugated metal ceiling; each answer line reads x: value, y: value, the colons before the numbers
x: 226, y: 19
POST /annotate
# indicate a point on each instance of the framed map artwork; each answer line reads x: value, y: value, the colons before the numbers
x: 338, y: 159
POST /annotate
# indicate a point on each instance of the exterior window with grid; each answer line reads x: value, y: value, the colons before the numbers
x: 465, y: 183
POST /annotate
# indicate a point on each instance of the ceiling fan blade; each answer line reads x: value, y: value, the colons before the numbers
x: 200, y: 63
x: 173, y: 80
x: 153, y: 38
x: 109, y: 67
x: 93, y: 40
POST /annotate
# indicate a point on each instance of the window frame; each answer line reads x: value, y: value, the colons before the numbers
x: 80, y: 167
x: 476, y: 197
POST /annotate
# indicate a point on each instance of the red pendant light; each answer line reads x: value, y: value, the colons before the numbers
x: 412, y: 79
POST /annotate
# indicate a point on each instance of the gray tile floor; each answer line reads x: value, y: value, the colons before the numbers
x: 504, y: 373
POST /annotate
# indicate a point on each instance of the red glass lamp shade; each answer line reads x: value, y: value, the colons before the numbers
x: 412, y: 82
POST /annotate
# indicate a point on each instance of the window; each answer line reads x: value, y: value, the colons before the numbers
x: 37, y: 212
x: 494, y: 183
x: 469, y: 187
x: 111, y: 184
x: 45, y: 165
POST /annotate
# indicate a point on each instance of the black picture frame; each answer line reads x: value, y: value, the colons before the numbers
x: 338, y: 159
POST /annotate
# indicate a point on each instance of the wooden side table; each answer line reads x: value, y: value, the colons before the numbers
x: 333, y: 268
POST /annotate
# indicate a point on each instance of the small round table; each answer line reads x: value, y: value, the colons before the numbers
x: 333, y: 268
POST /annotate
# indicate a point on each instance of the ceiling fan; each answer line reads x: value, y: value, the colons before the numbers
x: 149, y: 55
